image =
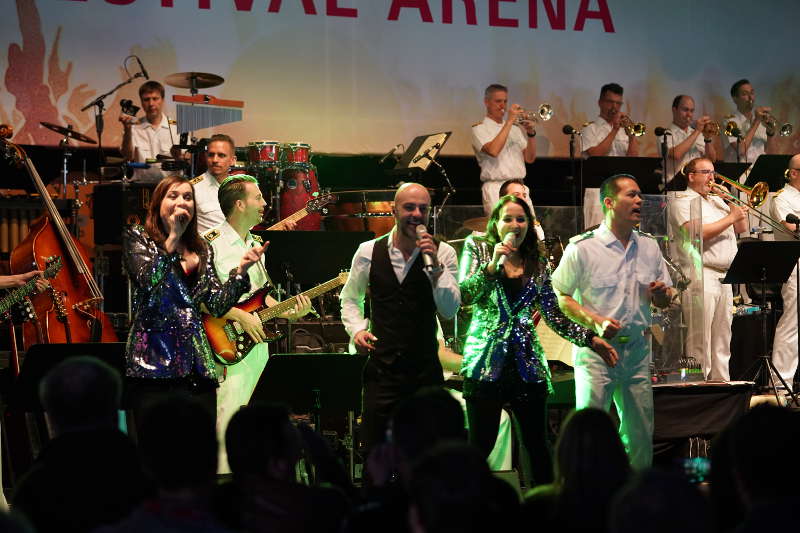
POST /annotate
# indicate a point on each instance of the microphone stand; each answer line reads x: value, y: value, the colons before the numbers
x: 664, y: 152
x: 98, y: 117
x: 448, y: 188
x: 571, y: 178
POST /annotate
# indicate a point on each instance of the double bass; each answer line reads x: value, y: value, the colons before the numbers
x: 68, y: 311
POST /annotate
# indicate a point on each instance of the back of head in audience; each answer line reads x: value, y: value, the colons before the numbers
x: 429, y: 416
x: 589, y: 453
x: 659, y: 502
x: 453, y: 490
x: 178, y: 443
x: 764, y: 445
x: 81, y: 393
x: 261, y: 440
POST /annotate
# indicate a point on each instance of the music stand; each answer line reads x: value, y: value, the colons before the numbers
x: 597, y: 169
x: 765, y: 262
x: 769, y: 168
x: 730, y: 170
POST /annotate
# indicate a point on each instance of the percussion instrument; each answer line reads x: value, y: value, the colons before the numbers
x: 296, y: 155
x: 68, y: 132
x: 298, y: 189
x: 263, y: 153
x: 367, y: 210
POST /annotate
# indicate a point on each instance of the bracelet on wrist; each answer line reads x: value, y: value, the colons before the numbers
x: 706, y: 140
x: 532, y: 135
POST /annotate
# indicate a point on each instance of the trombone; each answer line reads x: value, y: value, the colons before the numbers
x: 544, y: 113
x: 756, y: 196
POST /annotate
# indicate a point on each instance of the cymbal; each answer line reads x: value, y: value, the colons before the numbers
x: 476, y: 224
x: 68, y: 132
x: 202, y: 80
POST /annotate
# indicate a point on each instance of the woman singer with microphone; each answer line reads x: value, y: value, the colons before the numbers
x: 504, y: 277
x: 172, y: 271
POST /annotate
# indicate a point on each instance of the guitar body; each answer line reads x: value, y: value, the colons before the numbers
x: 229, y: 343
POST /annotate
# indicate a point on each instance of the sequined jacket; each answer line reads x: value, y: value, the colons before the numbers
x: 501, y: 329
x: 167, y: 338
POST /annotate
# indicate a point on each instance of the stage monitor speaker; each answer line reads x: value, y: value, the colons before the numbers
x: 116, y: 205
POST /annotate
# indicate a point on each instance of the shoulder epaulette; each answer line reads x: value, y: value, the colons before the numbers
x: 211, y: 234
x: 258, y: 239
x: 172, y: 122
x: 196, y: 180
x: 477, y: 124
x: 779, y: 191
x: 581, y: 237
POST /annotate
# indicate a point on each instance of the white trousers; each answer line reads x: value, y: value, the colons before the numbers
x: 628, y: 385
x: 784, y: 346
x: 714, y: 351
x: 234, y: 392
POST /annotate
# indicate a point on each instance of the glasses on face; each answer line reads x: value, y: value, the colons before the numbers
x: 702, y: 171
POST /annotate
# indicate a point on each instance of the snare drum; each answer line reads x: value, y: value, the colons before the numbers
x: 296, y: 155
x: 263, y: 153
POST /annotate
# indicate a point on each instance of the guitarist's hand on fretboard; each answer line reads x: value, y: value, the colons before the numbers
x: 301, y: 309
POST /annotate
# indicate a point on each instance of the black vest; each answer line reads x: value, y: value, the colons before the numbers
x: 403, y: 314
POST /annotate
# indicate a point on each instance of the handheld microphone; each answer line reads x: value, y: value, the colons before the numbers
x: 427, y: 259
x: 141, y: 68
x: 791, y: 218
x: 569, y: 130
x: 660, y: 132
x: 389, y: 153
x: 508, y: 240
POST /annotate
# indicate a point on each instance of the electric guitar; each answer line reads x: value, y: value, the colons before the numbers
x: 20, y: 293
x: 314, y: 205
x: 229, y: 341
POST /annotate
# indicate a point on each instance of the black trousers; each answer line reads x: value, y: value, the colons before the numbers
x: 386, y: 385
x: 528, y: 405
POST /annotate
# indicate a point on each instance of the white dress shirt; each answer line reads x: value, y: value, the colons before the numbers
x: 446, y: 294
x: 718, y: 252
x: 757, y: 147
x: 149, y: 142
x: 612, y: 280
x: 786, y: 201
x: 229, y: 247
x: 510, y: 162
x: 698, y: 149
x: 594, y: 133
x: 206, y: 202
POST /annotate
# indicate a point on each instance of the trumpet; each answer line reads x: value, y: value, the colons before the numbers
x: 710, y: 129
x: 757, y: 195
x: 732, y: 129
x: 771, y: 123
x: 637, y: 129
x: 543, y: 114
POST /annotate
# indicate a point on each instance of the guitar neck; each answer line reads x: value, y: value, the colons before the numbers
x: 268, y: 313
x: 17, y: 295
x: 294, y: 217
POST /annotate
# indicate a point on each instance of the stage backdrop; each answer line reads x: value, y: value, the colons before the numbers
x: 356, y: 76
